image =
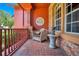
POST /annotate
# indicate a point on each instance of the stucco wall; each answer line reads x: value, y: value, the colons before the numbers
x: 18, y: 18
x: 40, y: 12
x: 26, y: 19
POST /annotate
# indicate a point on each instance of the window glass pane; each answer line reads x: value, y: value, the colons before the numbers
x: 68, y: 27
x: 75, y: 6
x: 56, y: 27
x: 59, y: 12
x: 75, y: 16
x: 68, y: 18
x: 68, y: 9
x: 75, y: 27
x: 58, y: 15
x: 68, y: 4
x: 57, y: 22
x: 59, y: 27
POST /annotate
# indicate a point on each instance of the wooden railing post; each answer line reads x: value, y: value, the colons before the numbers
x: 0, y: 42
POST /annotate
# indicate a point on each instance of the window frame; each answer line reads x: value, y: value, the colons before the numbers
x: 66, y: 14
x: 58, y: 6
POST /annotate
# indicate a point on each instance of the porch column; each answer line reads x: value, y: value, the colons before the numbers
x: 51, y: 15
x: 62, y: 17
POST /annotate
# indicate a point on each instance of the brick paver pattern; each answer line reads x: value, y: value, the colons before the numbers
x: 35, y: 48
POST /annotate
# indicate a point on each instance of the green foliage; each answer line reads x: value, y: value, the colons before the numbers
x: 6, y: 19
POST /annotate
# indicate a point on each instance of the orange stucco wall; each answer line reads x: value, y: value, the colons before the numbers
x: 39, y: 12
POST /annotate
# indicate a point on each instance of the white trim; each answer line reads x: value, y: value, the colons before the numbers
x: 68, y: 23
x: 68, y: 13
x: 74, y: 33
x: 72, y: 11
x: 75, y: 22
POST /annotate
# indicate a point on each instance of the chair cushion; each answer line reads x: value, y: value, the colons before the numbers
x: 36, y: 38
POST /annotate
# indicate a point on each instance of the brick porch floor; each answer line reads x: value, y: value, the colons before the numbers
x: 34, y: 48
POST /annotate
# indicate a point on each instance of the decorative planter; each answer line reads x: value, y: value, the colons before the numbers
x: 52, y: 41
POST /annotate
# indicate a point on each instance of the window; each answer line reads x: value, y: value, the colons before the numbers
x: 72, y: 18
x: 58, y: 17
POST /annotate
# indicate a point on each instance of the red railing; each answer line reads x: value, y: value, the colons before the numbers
x: 11, y: 40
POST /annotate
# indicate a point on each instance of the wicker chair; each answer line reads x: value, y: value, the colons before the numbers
x: 41, y: 36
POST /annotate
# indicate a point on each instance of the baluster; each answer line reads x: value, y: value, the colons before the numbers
x: 5, y: 42
x: 0, y: 42
x: 11, y: 41
x: 14, y: 39
x: 8, y: 40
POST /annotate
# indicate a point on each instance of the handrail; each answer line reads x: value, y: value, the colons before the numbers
x: 14, y: 28
x: 11, y: 40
